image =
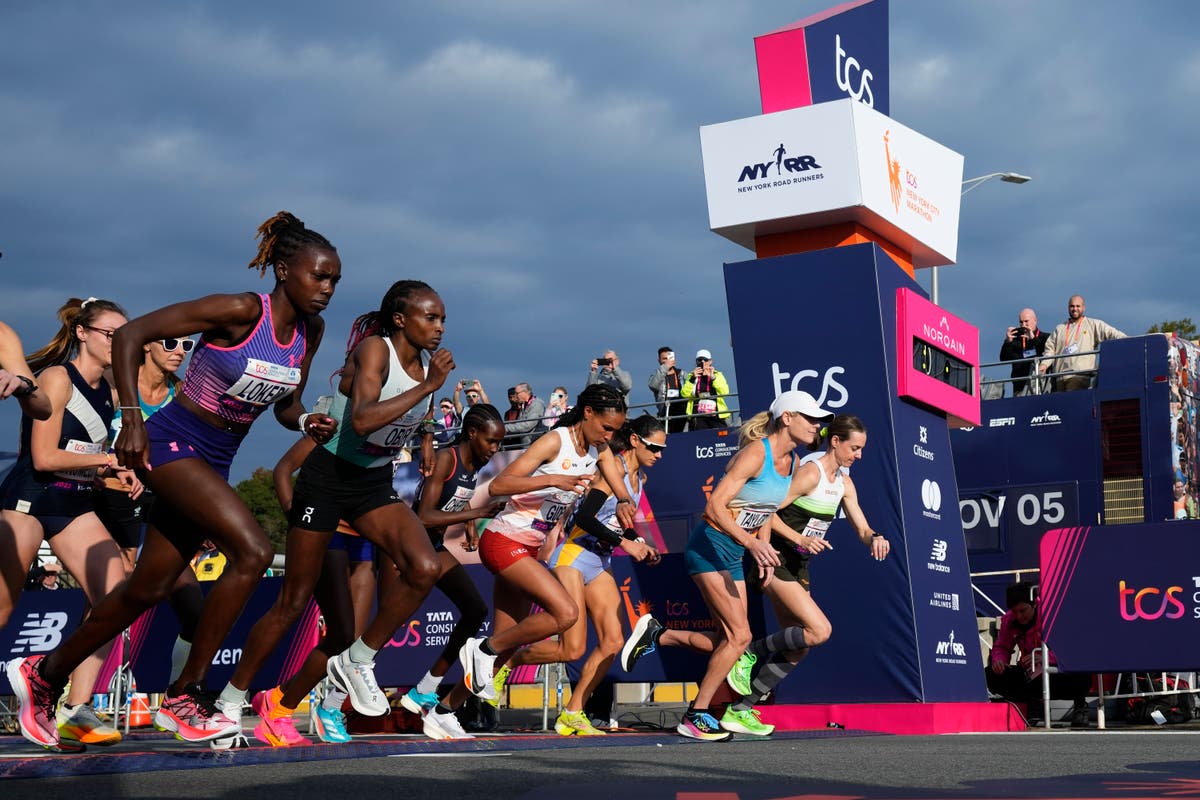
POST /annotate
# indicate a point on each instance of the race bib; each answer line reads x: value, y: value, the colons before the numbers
x: 706, y: 406
x: 460, y: 501
x: 263, y: 383
x: 391, y: 437
x: 83, y: 448
x: 549, y: 515
x: 816, y: 528
x: 751, y: 518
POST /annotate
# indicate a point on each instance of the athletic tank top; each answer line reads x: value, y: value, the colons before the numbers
x: 607, y: 516
x: 147, y: 409
x: 238, y: 383
x: 457, y: 491
x: 85, y: 423
x: 529, y: 516
x: 382, y: 446
x: 761, y: 496
x: 811, y: 514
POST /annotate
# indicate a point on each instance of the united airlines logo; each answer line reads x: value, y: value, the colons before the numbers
x: 40, y: 633
x: 800, y: 168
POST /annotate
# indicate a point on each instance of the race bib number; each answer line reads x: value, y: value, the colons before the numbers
x: 752, y: 519
x: 549, y: 515
x: 263, y: 383
x: 706, y: 406
x: 391, y: 437
x: 816, y: 528
x: 460, y: 501
x: 83, y: 448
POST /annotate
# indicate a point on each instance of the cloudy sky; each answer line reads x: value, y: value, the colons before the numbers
x: 538, y: 163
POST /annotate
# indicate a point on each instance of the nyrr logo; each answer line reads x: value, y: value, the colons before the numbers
x: 931, y: 498
x: 794, y: 164
x: 40, y: 633
x: 1045, y: 418
x: 950, y: 651
x: 846, y: 69
x: 1135, y: 603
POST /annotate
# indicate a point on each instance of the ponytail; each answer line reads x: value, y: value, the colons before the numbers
x: 71, y: 315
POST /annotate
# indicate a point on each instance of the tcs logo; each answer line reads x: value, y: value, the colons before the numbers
x: 1150, y: 603
x: 847, y: 70
x: 833, y: 393
x: 409, y: 635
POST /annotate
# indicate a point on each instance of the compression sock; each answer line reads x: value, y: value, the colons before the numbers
x: 788, y: 640
x: 179, y: 656
x: 429, y: 683
x: 233, y: 696
x: 360, y: 653
x: 769, y: 676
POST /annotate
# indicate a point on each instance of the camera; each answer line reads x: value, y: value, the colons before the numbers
x: 468, y: 383
x: 700, y: 362
x: 604, y: 362
x: 1024, y: 332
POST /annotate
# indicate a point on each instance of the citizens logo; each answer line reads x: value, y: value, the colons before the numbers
x: 1151, y: 603
x: 950, y: 651
x: 1045, y: 418
x: 1002, y: 422
x: 40, y: 633
x: 931, y: 498
x: 918, y: 450
x: 937, y: 556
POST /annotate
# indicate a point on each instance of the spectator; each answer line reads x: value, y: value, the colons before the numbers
x: 529, y: 419
x: 1020, y: 630
x: 1079, y: 334
x: 665, y: 383
x: 1185, y: 506
x: 44, y: 577
x: 514, y: 407
x: 558, y: 406
x: 1024, y: 341
x: 447, y: 421
x: 607, y: 370
x: 475, y: 394
x: 705, y: 389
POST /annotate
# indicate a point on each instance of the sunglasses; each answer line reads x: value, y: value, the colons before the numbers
x: 171, y: 345
x: 108, y: 334
x: 652, y: 447
x: 447, y: 408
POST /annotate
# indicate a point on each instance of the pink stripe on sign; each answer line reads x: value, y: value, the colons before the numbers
x: 1060, y: 551
x: 783, y: 80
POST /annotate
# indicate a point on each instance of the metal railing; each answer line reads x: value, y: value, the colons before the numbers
x: 1036, y: 382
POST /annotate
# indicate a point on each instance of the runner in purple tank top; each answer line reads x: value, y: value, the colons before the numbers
x: 254, y: 353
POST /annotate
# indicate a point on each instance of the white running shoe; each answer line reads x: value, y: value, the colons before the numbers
x: 477, y: 669
x: 443, y: 726
x: 358, y: 681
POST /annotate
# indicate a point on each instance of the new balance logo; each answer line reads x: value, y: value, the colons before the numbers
x: 40, y: 633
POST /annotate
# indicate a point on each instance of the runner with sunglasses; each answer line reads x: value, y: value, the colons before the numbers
x: 543, y: 484
x: 254, y: 353
x: 48, y: 496
x: 583, y: 565
x: 759, y: 479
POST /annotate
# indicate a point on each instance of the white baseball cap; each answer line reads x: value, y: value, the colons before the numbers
x: 798, y: 403
x: 703, y: 354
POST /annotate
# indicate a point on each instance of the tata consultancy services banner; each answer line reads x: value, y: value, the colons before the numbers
x: 1122, y: 598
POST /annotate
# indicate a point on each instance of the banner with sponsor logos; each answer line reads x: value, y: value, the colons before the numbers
x: 840, y: 52
x: 1122, y: 598
x: 904, y: 628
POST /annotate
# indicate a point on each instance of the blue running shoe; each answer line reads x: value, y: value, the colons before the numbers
x: 419, y: 702
x: 328, y: 725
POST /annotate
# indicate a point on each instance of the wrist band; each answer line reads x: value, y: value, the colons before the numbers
x: 304, y: 420
x: 625, y: 500
x: 29, y: 388
x: 876, y: 535
x: 130, y: 408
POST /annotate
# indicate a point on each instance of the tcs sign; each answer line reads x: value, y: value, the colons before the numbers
x: 1150, y: 603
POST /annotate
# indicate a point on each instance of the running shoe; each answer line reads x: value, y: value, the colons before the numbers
x: 276, y: 728
x: 703, y: 726
x: 192, y: 716
x: 233, y: 711
x: 576, y: 723
x: 358, y: 681
x: 498, y: 684
x: 746, y: 721
x: 419, y: 702
x: 234, y: 741
x: 443, y: 726
x: 329, y: 724
x: 37, y: 700
x: 477, y: 669
x: 82, y: 724
x: 643, y: 640
x: 739, y: 674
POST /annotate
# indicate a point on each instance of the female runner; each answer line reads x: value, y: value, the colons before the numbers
x: 757, y: 482
x: 798, y: 533
x: 543, y: 483
x: 582, y: 563
x: 383, y: 398
x: 48, y: 495
x: 254, y: 352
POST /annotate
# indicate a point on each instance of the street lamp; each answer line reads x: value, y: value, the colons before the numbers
x: 968, y: 185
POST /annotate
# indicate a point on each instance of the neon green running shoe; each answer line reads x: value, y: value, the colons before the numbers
x: 739, y: 675
x: 498, y: 681
x: 745, y: 722
x: 575, y: 723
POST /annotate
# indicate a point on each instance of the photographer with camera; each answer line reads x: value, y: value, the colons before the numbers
x: 607, y: 370
x: 665, y: 383
x: 705, y: 390
x: 474, y: 392
x: 1024, y: 340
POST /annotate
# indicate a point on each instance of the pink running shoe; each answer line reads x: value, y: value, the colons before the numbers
x: 192, y: 716
x: 38, y: 701
x: 277, y: 730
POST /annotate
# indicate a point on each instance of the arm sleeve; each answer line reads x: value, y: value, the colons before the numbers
x: 585, y: 518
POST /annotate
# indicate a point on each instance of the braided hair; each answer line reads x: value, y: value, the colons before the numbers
x: 381, y: 322
x: 281, y: 237
x: 72, y: 314
x: 598, y: 397
x: 478, y: 417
